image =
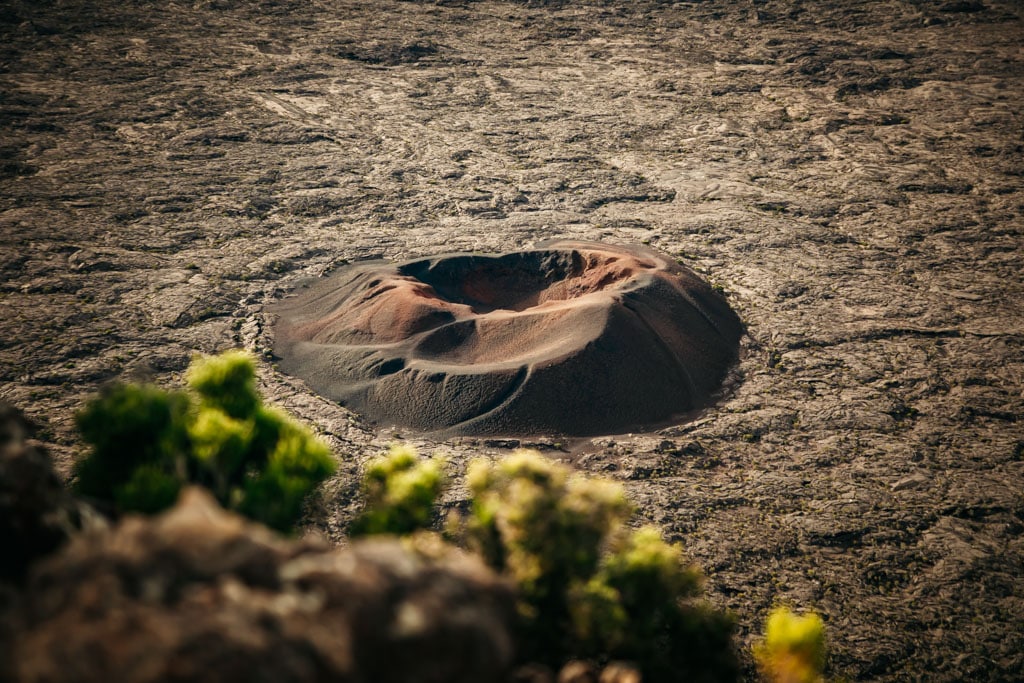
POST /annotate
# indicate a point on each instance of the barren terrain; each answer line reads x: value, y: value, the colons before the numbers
x: 849, y: 173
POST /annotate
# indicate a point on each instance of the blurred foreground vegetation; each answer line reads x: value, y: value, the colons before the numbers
x: 589, y: 586
x: 147, y: 443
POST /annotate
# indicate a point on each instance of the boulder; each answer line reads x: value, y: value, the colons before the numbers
x: 36, y: 513
x: 200, y: 594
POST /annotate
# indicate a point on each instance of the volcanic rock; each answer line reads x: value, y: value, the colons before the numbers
x: 200, y: 594
x: 571, y: 338
x: 36, y: 512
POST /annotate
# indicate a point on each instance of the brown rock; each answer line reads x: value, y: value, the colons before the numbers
x: 199, y: 594
x: 577, y: 672
x: 36, y: 513
x: 573, y: 338
x: 618, y: 672
x: 532, y: 672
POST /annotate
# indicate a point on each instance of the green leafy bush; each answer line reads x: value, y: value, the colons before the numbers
x: 588, y: 586
x: 545, y: 529
x: 675, y: 635
x: 400, y: 493
x: 148, y: 442
x: 793, y: 650
x: 134, y: 427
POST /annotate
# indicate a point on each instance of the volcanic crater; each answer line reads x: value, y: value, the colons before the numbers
x: 570, y: 338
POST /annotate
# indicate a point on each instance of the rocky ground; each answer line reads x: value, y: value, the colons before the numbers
x: 850, y: 173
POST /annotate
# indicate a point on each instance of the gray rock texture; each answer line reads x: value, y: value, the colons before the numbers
x: 570, y: 338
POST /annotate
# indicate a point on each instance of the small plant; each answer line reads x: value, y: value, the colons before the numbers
x: 588, y: 586
x: 148, y: 442
x: 543, y: 527
x: 139, y: 439
x: 674, y: 634
x: 793, y: 650
x: 400, y: 493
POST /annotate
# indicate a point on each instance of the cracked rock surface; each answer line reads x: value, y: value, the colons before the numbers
x: 849, y: 173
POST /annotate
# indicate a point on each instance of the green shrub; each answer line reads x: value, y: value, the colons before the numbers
x: 130, y: 426
x: 226, y: 382
x: 793, y: 650
x: 150, y: 489
x: 148, y: 442
x: 400, y: 493
x: 588, y: 586
x: 534, y: 522
x: 663, y: 624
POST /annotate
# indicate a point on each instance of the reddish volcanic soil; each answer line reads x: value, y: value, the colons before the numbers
x: 848, y: 173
